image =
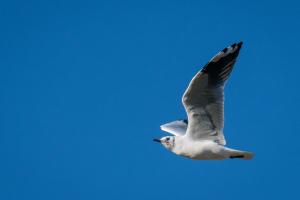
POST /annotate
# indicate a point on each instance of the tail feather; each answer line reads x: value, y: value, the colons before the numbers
x: 241, y: 154
x: 248, y: 155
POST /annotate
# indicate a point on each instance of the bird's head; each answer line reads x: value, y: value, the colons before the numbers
x: 168, y: 141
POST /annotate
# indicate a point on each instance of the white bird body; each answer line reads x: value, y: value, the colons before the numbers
x: 200, y: 150
x: 201, y: 136
x: 204, y: 149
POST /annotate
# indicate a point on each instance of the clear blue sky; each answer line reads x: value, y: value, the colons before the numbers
x: 85, y: 86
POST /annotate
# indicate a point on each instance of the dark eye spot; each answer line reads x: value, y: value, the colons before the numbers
x: 167, y: 139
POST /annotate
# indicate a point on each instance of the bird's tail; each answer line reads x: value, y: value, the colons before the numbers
x: 241, y: 154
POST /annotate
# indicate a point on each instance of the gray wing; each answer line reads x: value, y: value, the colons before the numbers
x: 204, y: 98
x: 177, y: 127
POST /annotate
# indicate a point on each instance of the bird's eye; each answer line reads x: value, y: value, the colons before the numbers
x: 167, y: 139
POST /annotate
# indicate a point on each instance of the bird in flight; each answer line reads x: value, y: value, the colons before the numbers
x: 200, y: 137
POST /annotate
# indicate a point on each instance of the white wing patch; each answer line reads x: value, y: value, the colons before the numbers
x: 177, y: 127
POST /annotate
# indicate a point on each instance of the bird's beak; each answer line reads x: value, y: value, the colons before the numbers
x: 156, y: 140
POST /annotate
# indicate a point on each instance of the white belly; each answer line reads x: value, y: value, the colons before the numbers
x: 203, y: 150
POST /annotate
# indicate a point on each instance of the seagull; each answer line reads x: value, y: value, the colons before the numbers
x: 201, y: 137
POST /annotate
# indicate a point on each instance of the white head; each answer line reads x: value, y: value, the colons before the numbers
x: 168, y: 141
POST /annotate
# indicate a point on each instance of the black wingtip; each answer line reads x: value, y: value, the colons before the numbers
x: 221, y: 65
x: 240, y: 44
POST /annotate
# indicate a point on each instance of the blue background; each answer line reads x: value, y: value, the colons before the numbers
x: 85, y: 86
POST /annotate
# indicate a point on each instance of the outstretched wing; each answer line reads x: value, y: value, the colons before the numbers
x: 204, y: 98
x: 177, y: 127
